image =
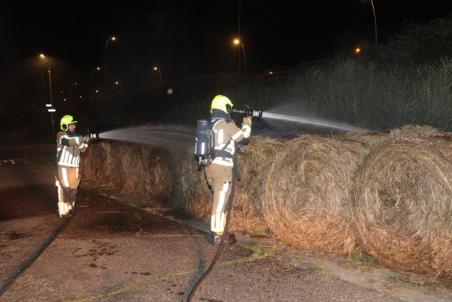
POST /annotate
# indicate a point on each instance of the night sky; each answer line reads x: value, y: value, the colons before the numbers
x: 185, y: 38
x: 194, y: 36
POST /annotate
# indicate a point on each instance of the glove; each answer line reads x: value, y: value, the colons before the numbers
x: 65, y: 142
x: 247, y: 120
x: 86, y: 139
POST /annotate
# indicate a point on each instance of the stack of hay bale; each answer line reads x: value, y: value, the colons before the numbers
x: 387, y: 194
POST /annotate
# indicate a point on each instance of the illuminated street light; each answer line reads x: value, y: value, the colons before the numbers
x: 95, y: 69
x: 159, y: 71
x: 270, y: 72
x: 118, y: 84
x: 44, y: 58
x: 112, y: 39
x: 358, y: 50
x: 238, y: 43
x: 52, y: 110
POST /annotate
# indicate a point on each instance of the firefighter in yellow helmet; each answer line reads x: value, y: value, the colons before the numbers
x: 69, y: 147
x: 220, y: 171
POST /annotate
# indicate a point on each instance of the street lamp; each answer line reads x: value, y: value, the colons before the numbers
x: 357, y: 50
x: 159, y: 71
x: 118, y: 84
x: 44, y: 58
x: 238, y: 43
x: 97, y: 68
x: 239, y: 33
x: 372, y: 4
x: 110, y: 39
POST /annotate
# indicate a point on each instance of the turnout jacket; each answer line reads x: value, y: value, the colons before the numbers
x: 69, y: 147
x: 226, y: 135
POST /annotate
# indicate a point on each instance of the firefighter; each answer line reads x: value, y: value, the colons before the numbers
x: 220, y: 172
x: 69, y: 147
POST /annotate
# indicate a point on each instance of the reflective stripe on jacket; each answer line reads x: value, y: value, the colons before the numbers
x: 69, y: 156
x: 226, y: 135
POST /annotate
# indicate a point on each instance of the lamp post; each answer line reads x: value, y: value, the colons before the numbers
x: 118, y: 84
x: 96, y: 69
x: 44, y: 58
x: 239, y: 34
x: 110, y: 39
x: 238, y: 43
x: 375, y: 21
x: 159, y: 71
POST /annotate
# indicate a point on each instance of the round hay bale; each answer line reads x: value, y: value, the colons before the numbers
x: 145, y: 174
x: 93, y: 163
x: 254, y: 162
x: 403, y: 207
x: 363, y: 140
x: 87, y: 162
x: 141, y: 172
x: 308, y: 194
x: 191, y: 190
x: 414, y: 132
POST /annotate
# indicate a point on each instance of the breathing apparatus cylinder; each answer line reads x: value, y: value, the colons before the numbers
x: 204, y: 141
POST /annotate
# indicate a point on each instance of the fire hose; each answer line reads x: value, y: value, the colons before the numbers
x: 220, y: 246
x: 247, y: 111
x: 34, y: 255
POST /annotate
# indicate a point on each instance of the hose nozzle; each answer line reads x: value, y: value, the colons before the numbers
x: 93, y: 134
x: 248, y: 111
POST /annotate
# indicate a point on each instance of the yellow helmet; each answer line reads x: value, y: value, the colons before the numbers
x: 221, y: 102
x: 66, y: 121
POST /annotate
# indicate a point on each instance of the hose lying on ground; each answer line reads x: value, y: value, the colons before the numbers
x: 220, y: 246
x: 36, y: 253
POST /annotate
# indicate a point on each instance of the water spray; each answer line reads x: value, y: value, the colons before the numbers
x: 169, y: 137
x: 259, y: 114
x: 310, y: 121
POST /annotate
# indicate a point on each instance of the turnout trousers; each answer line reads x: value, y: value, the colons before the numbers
x: 219, y: 178
x: 67, y: 182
